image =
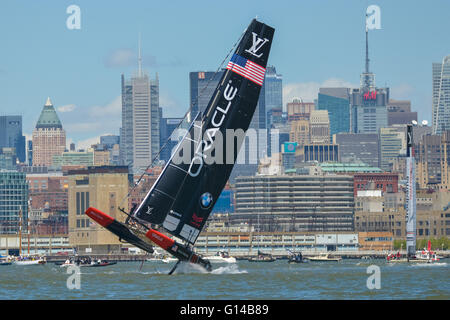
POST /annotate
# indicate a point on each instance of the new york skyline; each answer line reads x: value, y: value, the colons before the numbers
x: 317, y: 45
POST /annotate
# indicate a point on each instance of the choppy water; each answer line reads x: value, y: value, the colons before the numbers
x: 241, y: 281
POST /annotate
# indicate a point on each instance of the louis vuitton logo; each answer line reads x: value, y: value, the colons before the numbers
x: 256, y: 45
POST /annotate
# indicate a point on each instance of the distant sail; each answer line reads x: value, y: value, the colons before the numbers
x: 410, y: 194
x: 182, y: 198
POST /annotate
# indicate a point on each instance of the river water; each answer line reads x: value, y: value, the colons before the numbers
x: 241, y: 281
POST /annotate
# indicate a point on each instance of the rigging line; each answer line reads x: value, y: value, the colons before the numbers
x: 184, y: 117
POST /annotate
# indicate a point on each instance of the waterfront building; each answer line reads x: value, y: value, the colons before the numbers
x: 441, y: 96
x: 48, y: 191
x: 104, y: 188
x: 392, y: 144
x: 238, y: 241
x: 49, y: 137
x: 358, y: 147
x: 337, y: 102
x: 13, y: 201
x: 139, y: 137
x: 399, y: 112
x: 295, y: 202
x: 39, y: 244
x: 11, y: 135
x: 430, y: 223
x: 379, y: 240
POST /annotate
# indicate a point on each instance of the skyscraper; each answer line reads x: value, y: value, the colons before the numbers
x: 358, y: 147
x: 49, y: 137
x: 11, y: 135
x: 337, y: 102
x: 368, y: 103
x: 441, y: 96
x: 139, y: 138
x: 13, y: 199
x: 392, y: 144
x: 272, y: 89
x: 319, y: 126
x: 399, y: 112
x: 202, y: 85
x: 168, y: 138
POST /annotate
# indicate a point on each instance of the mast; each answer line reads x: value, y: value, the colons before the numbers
x: 20, y: 231
x: 410, y: 195
x: 367, y: 80
x: 367, y: 50
x: 28, y: 233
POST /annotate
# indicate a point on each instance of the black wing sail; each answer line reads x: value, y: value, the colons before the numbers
x: 185, y: 193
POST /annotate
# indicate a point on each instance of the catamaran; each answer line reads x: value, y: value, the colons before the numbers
x: 411, y: 254
x: 182, y: 198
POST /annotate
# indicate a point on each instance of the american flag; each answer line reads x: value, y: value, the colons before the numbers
x: 247, y: 69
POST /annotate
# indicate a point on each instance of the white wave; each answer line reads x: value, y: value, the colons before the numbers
x: 186, y: 267
x: 436, y: 264
x: 230, y: 269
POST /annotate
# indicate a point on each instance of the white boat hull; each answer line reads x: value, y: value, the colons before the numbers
x: 326, y: 260
x: 215, y: 259
x: 29, y: 262
x: 163, y: 260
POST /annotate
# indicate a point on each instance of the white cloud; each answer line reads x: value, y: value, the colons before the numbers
x: 66, y: 108
x: 402, y: 91
x: 308, y: 91
x: 85, y: 144
x: 113, y: 108
x: 120, y: 58
x: 124, y: 57
x: 93, y: 121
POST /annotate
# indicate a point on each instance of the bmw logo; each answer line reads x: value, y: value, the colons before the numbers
x: 206, y: 200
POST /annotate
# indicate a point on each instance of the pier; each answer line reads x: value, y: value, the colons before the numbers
x: 370, y: 254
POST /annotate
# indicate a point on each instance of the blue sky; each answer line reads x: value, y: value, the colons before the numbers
x: 316, y: 43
